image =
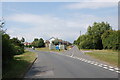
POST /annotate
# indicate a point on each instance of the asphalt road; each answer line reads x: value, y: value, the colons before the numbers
x: 53, y: 65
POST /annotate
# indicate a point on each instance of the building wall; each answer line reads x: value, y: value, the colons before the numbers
x: 52, y: 46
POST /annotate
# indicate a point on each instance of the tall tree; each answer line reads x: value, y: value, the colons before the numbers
x: 36, y: 39
x: 41, y: 43
x: 23, y: 39
x: 38, y: 42
x: 110, y: 40
x: 92, y: 38
x: 96, y: 31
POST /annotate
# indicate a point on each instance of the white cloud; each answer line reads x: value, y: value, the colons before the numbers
x: 91, y: 5
x: 101, y: 0
x: 59, y: 0
x: 42, y: 26
x: 47, y: 26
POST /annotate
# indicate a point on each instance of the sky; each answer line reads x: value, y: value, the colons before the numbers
x: 62, y: 20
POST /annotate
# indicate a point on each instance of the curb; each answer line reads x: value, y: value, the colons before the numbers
x: 30, y: 66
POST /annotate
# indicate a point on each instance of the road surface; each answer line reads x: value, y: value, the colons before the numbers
x: 53, y: 65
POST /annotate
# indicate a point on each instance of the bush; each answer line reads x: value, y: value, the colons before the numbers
x: 38, y: 43
x: 7, y: 49
x: 10, y: 48
x: 18, y: 50
x: 110, y: 40
x: 92, y: 38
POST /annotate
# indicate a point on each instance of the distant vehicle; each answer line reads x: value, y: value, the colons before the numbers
x: 33, y: 48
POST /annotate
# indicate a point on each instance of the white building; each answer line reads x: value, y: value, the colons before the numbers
x: 51, y: 39
x: 49, y: 44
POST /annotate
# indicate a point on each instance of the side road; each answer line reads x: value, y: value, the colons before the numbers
x: 75, y: 52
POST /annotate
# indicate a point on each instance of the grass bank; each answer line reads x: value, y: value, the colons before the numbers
x: 19, y: 65
x: 47, y: 49
x: 109, y: 56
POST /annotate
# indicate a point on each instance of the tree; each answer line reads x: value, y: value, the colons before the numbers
x: 96, y: 31
x: 2, y: 23
x: 38, y: 42
x: 41, y: 43
x: 19, y: 46
x: 89, y: 30
x: 7, y: 49
x: 56, y: 42
x: 23, y: 39
x: 36, y: 39
x: 110, y: 40
x: 92, y: 38
x: 10, y: 47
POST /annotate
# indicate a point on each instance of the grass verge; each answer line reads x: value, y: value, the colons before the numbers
x: 109, y: 56
x: 19, y: 65
x: 47, y: 49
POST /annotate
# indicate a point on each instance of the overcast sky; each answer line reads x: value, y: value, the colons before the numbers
x: 63, y: 20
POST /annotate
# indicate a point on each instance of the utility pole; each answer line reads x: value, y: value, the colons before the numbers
x: 80, y: 35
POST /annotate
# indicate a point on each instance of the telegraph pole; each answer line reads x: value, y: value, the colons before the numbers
x: 80, y: 35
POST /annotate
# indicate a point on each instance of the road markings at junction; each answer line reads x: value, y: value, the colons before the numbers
x: 110, y: 68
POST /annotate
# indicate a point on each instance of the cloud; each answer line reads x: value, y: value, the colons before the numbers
x: 47, y: 26
x: 59, y: 0
x: 44, y: 26
x: 91, y: 5
x: 101, y: 0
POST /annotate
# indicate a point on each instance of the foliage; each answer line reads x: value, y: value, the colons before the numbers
x: 38, y: 43
x: 10, y: 47
x: 18, y: 67
x: 23, y: 39
x: 56, y: 42
x: 110, y: 40
x: 93, y: 38
x: 19, y: 46
x: 85, y: 42
x: 2, y: 23
x: 60, y: 41
x: 7, y: 49
x: 41, y: 43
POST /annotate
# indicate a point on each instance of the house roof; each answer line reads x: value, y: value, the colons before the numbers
x: 52, y: 38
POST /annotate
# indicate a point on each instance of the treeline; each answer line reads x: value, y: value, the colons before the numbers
x: 60, y: 41
x: 10, y: 47
x: 38, y: 43
x: 99, y: 36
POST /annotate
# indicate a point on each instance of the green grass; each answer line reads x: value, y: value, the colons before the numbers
x: 109, y: 56
x: 19, y: 65
x: 47, y: 49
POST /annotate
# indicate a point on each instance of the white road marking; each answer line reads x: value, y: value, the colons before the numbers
x: 85, y: 60
x: 91, y: 63
x: 105, y: 67
x: 100, y: 65
x: 94, y: 63
x: 88, y: 61
x: 116, y: 69
x: 111, y: 69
